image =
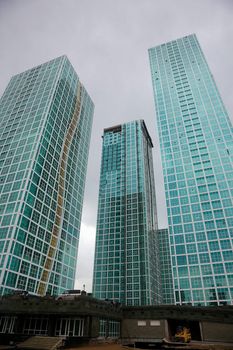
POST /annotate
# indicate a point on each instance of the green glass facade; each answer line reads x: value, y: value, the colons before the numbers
x: 126, y: 265
x: 165, y: 267
x: 196, y: 144
x: 46, y: 118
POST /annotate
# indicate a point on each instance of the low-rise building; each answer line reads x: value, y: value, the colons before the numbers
x: 85, y: 318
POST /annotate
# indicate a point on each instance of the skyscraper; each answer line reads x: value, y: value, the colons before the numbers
x: 126, y: 265
x: 165, y: 267
x: 45, y: 126
x: 196, y: 144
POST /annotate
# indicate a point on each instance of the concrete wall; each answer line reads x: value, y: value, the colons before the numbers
x: 216, y: 323
x: 212, y: 331
x: 94, y: 327
x: 131, y: 328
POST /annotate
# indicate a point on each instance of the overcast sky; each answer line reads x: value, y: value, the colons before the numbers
x: 107, y: 43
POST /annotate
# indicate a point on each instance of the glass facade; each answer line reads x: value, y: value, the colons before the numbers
x: 45, y: 118
x: 165, y: 267
x: 196, y: 144
x: 126, y: 265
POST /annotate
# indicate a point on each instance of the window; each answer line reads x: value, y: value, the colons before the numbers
x: 72, y: 327
x: 34, y: 325
x: 154, y: 323
x: 7, y: 324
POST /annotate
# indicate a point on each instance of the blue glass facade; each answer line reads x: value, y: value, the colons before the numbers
x: 126, y: 258
x: 196, y: 144
x: 46, y: 118
x: 165, y: 267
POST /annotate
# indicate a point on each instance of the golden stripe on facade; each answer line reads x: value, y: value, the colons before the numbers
x: 61, y: 189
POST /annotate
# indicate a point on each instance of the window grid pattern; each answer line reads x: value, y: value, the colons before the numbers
x: 196, y: 145
x: 30, y: 163
x: 103, y: 327
x: 126, y: 257
x: 166, y: 267
x: 36, y: 326
x: 7, y: 324
x: 71, y: 327
x: 114, y: 329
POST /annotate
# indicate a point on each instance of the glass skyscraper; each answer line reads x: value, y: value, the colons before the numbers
x: 126, y: 265
x: 165, y: 267
x: 196, y: 144
x: 45, y: 126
